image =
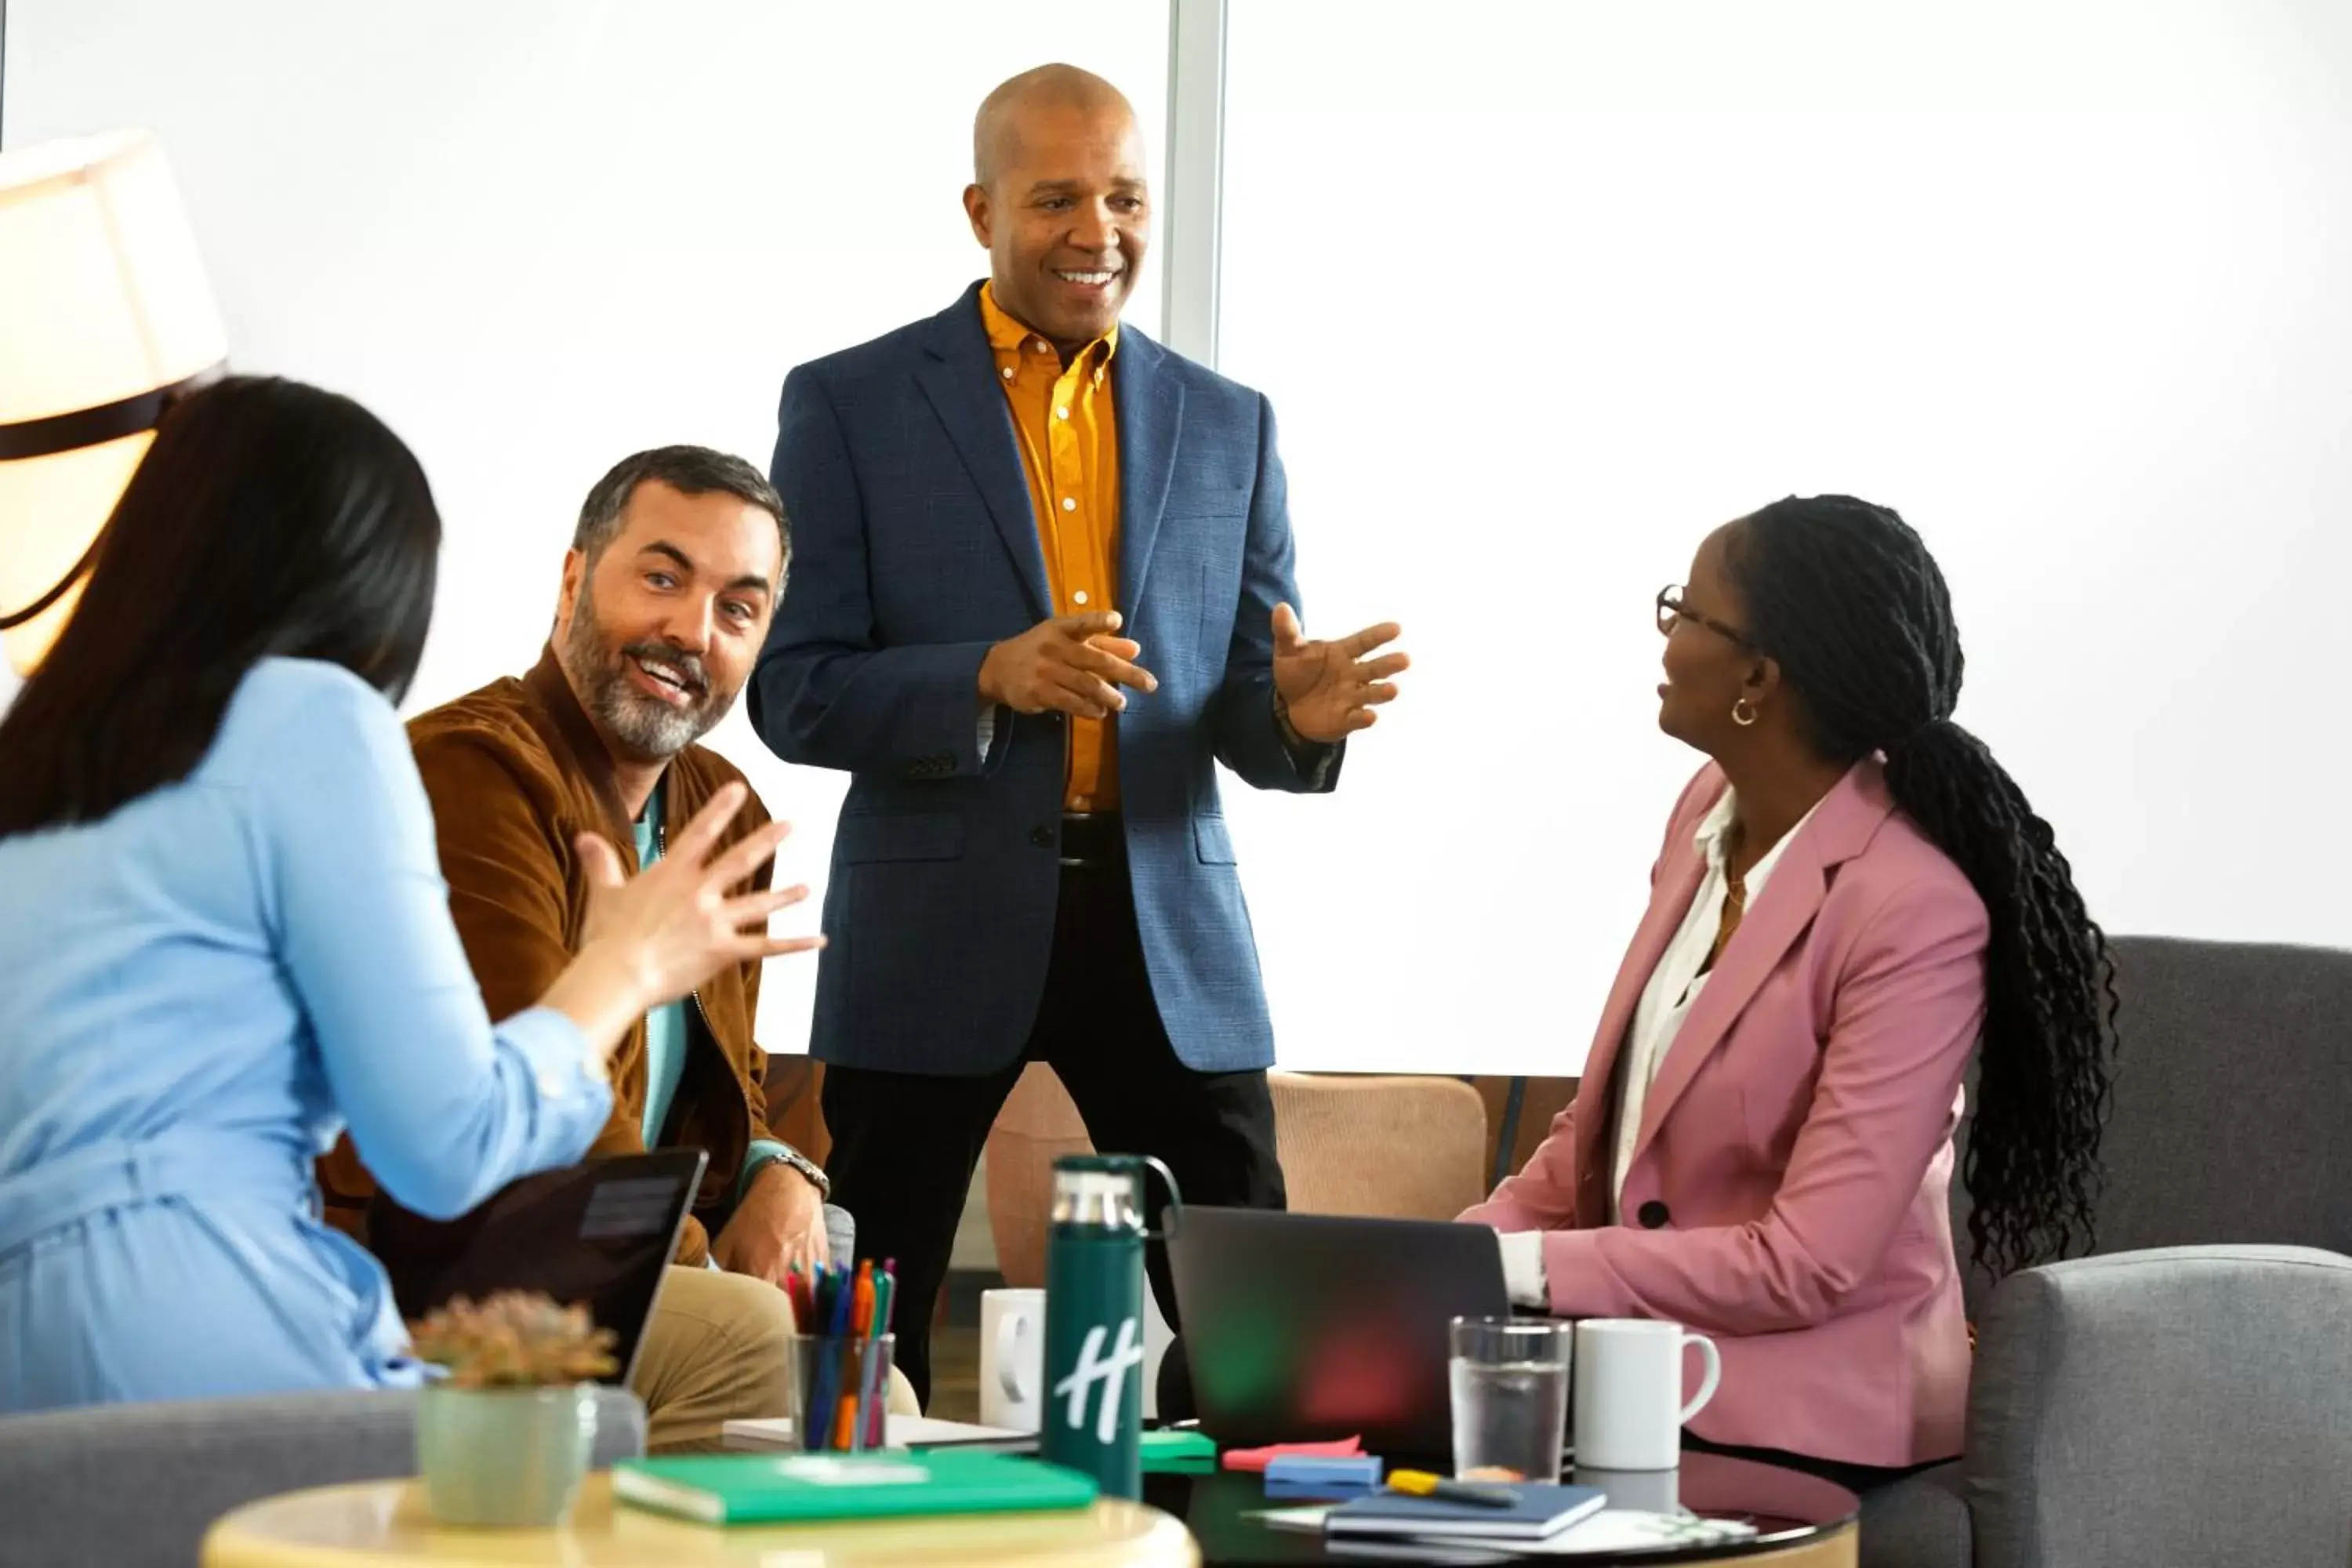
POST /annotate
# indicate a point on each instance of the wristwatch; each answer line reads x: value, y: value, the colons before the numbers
x: 798, y: 1162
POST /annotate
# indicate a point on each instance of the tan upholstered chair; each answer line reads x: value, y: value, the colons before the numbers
x: 1038, y: 1126
x: 1400, y: 1147
x: 1404, y: 1147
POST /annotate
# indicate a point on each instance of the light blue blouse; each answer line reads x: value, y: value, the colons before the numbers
x: 196, y: 994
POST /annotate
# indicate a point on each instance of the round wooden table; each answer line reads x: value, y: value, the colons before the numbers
x: 1836, y: 1547
x: 374, y: 1523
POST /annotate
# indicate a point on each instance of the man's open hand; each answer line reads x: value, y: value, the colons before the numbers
x: 1329, y: 690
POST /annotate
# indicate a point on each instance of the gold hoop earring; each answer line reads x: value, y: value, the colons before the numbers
x: 1743, y: 712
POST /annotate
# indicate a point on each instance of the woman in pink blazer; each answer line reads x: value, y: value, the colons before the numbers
x: 1851, y: 897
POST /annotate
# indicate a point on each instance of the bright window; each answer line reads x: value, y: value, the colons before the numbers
x: 1543, y: 292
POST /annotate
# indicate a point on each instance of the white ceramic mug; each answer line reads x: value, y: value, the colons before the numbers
x: 1011, y: 1358
x: 1629, y: 1392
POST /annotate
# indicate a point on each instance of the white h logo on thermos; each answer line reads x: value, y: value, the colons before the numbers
x: 1111, y: 1374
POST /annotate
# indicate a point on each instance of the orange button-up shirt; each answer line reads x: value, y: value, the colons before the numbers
x: 1069, y: 449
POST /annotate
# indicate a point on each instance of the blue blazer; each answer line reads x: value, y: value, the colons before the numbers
x: 914, y: 550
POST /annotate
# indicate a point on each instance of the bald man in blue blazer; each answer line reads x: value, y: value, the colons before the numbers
x: 1041, y: 584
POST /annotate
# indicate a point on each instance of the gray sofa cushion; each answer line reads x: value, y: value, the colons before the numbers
x: 131, y: 1485
x: 2174, y: 1408
x: 2231, y: 1098
x: 2229, y: 1101
x: 1920, y: 1521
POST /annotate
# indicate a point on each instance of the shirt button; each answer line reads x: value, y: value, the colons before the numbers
x: 1652, y: 1215
x: 1080, y: 597
x: 1041, y: 345
x: 1008, y: 372
x: 1069, y: 503
x: 1062, y: 412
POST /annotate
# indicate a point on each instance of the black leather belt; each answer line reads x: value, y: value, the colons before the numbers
x: 1093, y: 839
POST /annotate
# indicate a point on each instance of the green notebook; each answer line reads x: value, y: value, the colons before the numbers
x: 763, y: 1489
x: 1181, y: 1453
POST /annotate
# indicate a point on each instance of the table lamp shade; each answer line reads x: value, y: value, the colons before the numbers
x: 104, y: 312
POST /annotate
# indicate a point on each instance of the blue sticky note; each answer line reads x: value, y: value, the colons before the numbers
x: 1323, y: 1470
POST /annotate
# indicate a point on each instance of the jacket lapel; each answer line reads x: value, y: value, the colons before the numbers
x: 1150, y: 418
x: 1680, y: 869
x: 1678, y: 880
x: 546, y: 685
x: 958, y: 376
x: 1847, y: 818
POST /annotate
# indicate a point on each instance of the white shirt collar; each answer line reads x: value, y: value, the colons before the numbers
x: 1714, y: 833
x: 1715, y: 826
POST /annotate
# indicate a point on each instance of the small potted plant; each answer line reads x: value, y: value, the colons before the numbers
x: 504, y: 1436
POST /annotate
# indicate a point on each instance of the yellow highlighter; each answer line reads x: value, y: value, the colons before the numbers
x: 1420, y: 1483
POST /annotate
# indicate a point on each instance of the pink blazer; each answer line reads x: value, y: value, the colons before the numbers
x: 1795, y: 1155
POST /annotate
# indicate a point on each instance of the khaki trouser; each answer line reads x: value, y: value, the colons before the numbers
x: 718, y: 1349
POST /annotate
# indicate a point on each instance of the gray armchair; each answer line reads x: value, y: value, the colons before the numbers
x: 2183, y: 1397
x: 134, y: 1485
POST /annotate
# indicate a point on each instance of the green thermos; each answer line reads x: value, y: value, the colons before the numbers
x: 1093, y: 1406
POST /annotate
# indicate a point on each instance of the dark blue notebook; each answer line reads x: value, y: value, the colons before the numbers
x: 1541, y: 1510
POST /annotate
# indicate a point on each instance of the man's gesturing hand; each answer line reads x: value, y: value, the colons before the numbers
x: 1073, y: 664
x: 1328, y: 689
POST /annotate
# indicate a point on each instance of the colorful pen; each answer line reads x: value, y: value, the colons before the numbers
x: 886, y: 1291
x: 1420, y: 1483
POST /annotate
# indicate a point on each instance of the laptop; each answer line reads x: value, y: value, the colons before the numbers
x: 598, y: 1234
x: 1301, y: 1327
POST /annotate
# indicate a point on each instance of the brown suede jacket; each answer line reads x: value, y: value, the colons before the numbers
x: 516, y: 772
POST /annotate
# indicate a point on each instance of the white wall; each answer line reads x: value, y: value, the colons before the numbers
x: 1543, y: 293
x: 538, y: 234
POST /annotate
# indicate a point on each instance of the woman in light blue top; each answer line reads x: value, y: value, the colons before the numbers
x: 224, y: 935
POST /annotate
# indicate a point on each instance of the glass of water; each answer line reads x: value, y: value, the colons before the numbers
x: 1510, y: 1383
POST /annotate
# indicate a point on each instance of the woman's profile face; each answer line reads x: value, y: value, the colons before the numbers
x: 1707, y: 666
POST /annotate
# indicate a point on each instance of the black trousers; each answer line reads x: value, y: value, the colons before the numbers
x: 904, y: 1144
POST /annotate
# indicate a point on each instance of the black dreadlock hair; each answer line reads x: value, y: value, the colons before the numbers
x: 1844, y: 596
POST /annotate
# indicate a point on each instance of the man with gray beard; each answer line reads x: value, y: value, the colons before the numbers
x: 674, y: 572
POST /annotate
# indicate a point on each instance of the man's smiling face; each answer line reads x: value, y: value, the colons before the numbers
x: 660, y: 631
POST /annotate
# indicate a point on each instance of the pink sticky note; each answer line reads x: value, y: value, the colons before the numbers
x: 1256, y: 1460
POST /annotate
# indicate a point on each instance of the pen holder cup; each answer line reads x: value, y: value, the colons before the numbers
x: 840, y: 1384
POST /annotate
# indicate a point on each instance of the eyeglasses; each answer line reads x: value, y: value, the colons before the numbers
x: 1671, y: 610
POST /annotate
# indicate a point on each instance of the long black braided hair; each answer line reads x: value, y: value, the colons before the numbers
x: 1845, y: 598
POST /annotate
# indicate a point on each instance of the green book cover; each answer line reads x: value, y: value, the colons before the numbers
x: 1178, y: 1453
x: 763, y: 1489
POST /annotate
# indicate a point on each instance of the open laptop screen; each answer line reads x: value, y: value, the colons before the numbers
x: 598, y: 1234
